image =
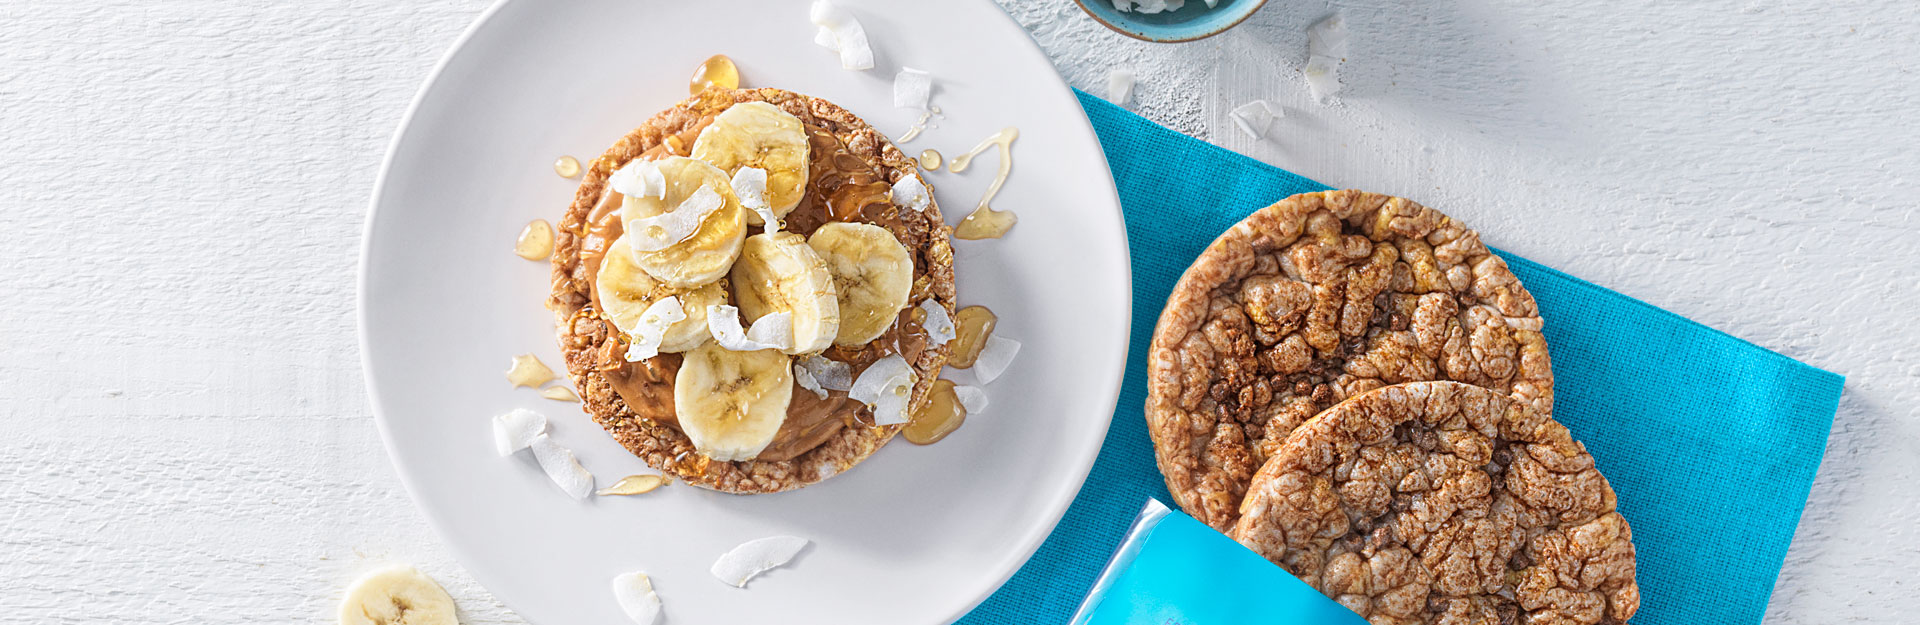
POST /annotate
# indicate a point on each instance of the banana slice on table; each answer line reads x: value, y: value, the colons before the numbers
x: 758, y: 134
x: 872, y: 277
x: 778, y: 272
x: 626, y: 291
x: 400, y: 595
x: 731, y: 404
x: 654, y: 224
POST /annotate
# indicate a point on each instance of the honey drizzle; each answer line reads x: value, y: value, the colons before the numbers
x: 972, y: 325
x: 536, y: 240
x: 566, y: 166
x: 985, y: 222
x: 938, y: 417
x: 528, y: 371
x: 930, y: 159
x: 716, y: 71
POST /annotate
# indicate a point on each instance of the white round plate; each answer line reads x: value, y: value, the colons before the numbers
x: 912, y: 535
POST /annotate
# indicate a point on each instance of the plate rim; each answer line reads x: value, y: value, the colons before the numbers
x: 1028, y: 545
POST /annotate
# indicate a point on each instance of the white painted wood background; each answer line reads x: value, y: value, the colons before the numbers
x: 182, y: 186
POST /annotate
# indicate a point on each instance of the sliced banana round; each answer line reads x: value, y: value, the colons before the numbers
x: 758, y: 134
x: 399, y: 595
x: 872, y: 277
x: 731, y: 404
x: 779, y: 272
x: 702, y: 255
x: 626, y: 292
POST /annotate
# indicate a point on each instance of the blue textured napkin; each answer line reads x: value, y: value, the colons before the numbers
x: 1710, y: 441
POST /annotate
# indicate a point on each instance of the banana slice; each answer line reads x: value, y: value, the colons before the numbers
x: 778, y: 272
x: 872, y: 277
x: 654, y: 225
x: 627, y: 291
x: 729, y: 403
x: 758, y: 134
x: 399, y: 595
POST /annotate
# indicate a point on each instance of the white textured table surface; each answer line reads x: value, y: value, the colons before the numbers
x: 184, y: 186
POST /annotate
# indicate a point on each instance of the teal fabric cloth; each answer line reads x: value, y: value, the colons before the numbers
x: 1711, y: 442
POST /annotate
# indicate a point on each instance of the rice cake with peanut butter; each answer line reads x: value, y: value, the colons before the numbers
x: 1320, y: 297
x: 850, y: 171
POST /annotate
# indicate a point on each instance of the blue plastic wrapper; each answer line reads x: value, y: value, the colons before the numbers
x: 1173, y: 570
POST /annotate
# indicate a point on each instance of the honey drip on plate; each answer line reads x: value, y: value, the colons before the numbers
x: 634, y: 485
x: 716, y: 71
x: 559, y: 393
x: 985, y: 222
x: 528, y: 371
x: 536, y: 240
x: 566, y: 166
x: 694, y: 463
x: 940, y: 416
x: 971, y: 326
x: 930, y: 159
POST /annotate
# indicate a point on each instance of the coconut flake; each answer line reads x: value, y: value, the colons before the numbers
x: 750, y: 185
x: 885, y: 386
x: 562, y: 467
x: 754, y: 557
x: 911, y: 88
x: 1256, y: 117
x: 1120, y: 85
x: 640, y: 178
x: 516, y: 430
x: 841, y: 32
x: 939, y: 324
x: 971, y: 397
x: 1328, y: 37
x: 652, y: 234
x: 634, y: 592
x: 770, y: 331
x: 994, y: 358
x: 1149, y: 6
x: 652, y: 328
x: 832, y: 375
x: 1323, y: 77
x: 805, y: 379
x: 911, y: 194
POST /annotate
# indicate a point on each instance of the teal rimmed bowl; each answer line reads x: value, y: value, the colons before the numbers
x: 1190, y: 22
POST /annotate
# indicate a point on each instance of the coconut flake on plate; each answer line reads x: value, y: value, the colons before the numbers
x: 562, y: 467
x: 516, y: 430
x: 750, y: 186
x: 910, y: 193
x: 804, y: 378
x: 994, y: 358
x: 841, y: 32
x: 754, y: 557
x: 1256, y: 117
x: 1326, y: 49
x: 911, y: 88
x: 652, y: 234
x: 770, y: 331
x: 1120, y: 85
x: 640, y: 178
x: 652, y: 328
x: 634, y: 592
x: 971, y: 397
x: 939, y: 324
x: 1149, y: 6
x: 885, y: 386
x: 832, y: 375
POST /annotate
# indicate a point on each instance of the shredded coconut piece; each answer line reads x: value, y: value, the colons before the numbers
x: 640, y: 178
x: 832, y: 374
x: 804, y: 378
x: 994, y: 358
x: 1326, y: 49
x: 912, y: 88
x: 971, y: 397
x: 885, y: 386
x: 841, y: 32
x: 516, y: 430
x: 911, y: 194
x: 750, y: 186
x: 939, y: 324
x: 652, y: 328
x: 1120, y: 85
x: 770, y: 331
x: 754, y: 557
x: 1152, y: 6
x: 562, y: 467
x: 652, y: 234
x: 1256, y: 117
x: 634, y: 592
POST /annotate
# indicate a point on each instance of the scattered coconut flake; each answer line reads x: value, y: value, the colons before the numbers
x: 939, y: 324
x: 1256, y: 117
x: 652, y: 234
x: 1212, y: 3
x: 832, y: 375
x: 634, y: 485
x: 805, y: 379
x: 911, y: 88
x: 841, y: 32
x: 1328, y: 37
x: 971, y: 397
x: 562, y: 467
x: 770, y: 331
x: 885, y: 386
x: 652, y: 328
x: 755, y: 557
x: 1323, y: 77
x: 1150, y: 6
x: 640, y: 178
x: 1120, y: 85
x: 634, y: 592
x: 516, y: 430
x: 994, y: 358
x: 910, y: 193
x: 750, y: 185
